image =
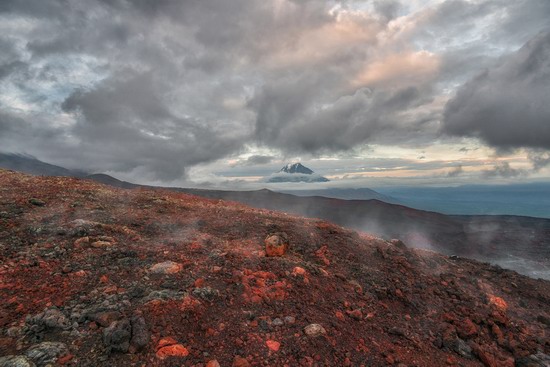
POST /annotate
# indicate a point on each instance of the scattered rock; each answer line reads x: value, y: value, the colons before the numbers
x: 164, y: 295
x: 117, y: 336
x: 206, y: 293
x: 535, y: 360
x: 213, y: 363
x: 466, y: 329
x: 314, y: 330
x: 240, y: 362
x: 167, y: 267
x: 105, y: 318
x: 169, y: 347
x: 37, y: 202
x: 398, y: 243
x: 498, y: 303
x: 356, y: 314
x: 298, y: 271
x: 276, y: 244
x: 16, y: 361
x: 544, y: 319
x: 46, y: 352
x: 460, y: 347
x: 277, y: 322
x: 140, y: 333
x: 290, y: 319
x: 273, y: 345
x: 49, y: 319
x: 101, y: 244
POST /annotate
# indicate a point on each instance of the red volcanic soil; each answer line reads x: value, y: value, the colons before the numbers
x: 92, y: 275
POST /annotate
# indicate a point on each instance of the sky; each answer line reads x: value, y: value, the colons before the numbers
x: 216, y: 93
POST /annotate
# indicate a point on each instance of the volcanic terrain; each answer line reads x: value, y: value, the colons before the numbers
x: 93, y: 275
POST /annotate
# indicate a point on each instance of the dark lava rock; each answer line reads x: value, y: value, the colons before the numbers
x: 460, y: 347
x: 534, y: 360
x: 16, y: 361
x: 37, y: 202
x: 140, y: 333
x: 117, y: 336
x: 46, y: 352
x: 50, y: 319
x: 206, y: 293
x: 398, y: 243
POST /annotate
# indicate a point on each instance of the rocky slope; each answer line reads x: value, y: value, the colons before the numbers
x: 92, y: 275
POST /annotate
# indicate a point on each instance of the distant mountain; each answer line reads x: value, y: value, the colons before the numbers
x: 345, y: 194
x: 296, y: 168
x: 29, y: 164
x: 296, y: 173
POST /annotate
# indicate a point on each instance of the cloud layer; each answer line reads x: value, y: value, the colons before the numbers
x: 154, y: 88
x: 507, y: 105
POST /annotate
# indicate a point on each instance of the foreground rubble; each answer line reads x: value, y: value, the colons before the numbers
x: 96, y: 276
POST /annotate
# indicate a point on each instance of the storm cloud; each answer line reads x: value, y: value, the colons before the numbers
x: 154, y: 88
x: 507, y: 105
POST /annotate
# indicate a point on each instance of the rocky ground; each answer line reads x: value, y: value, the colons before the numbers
x: 92, y: 275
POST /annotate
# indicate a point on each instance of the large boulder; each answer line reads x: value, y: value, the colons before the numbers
x: 276, y: 244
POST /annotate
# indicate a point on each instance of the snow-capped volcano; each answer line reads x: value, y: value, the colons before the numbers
x: 296, y: 172
x: 296, y: 168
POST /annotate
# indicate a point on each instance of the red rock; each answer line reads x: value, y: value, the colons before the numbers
x: 101, y: 244
x: 199, y: 283
x: 167, y: 267
x: 466, y: 329
x: 240, y: 362
x: 166, y: 341
x: 176, y: 350
x: 213, y: 363
x: 340, y: 315
x: 276, y: 244
x: 298, y: 271
x: 487, y: 359
x: 273, y: 345
x: 356, y: 314
x: 80, y: 273
x: 322, y: 254
x: 81, y: 241
x: 498, y: 302
x: 498, y: 334
x: 105, y: 318
x: 65, y: 359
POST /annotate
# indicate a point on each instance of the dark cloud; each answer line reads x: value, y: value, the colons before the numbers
x: 387, y: 8
x: 288, y: 117
x: 507, y: 106
x: 458, y: 170
x: 504, y: 170
x: 539, y: 159
x: 128, y: 118
x: 259, y: 159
